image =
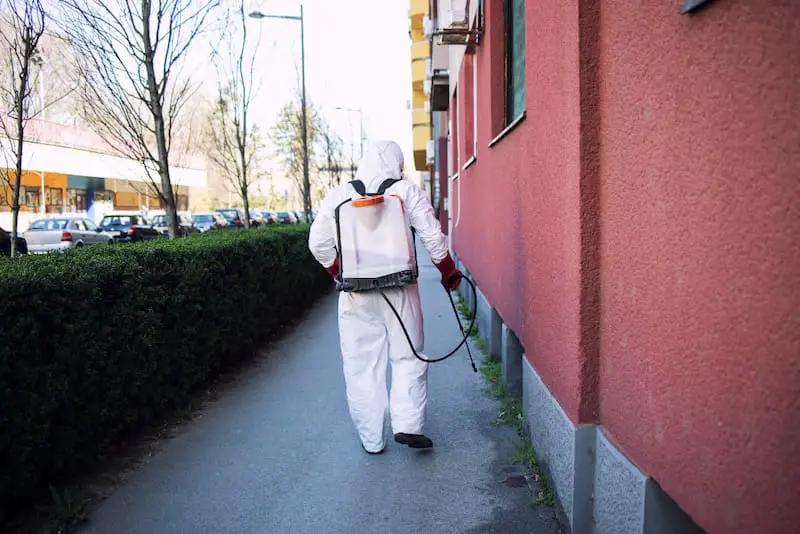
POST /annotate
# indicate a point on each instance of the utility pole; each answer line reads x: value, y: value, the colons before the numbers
x: 306, y: 179
x: 304, y: 111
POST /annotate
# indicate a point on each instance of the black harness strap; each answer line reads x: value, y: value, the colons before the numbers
x: 359, y: 186
x: 361, y: 189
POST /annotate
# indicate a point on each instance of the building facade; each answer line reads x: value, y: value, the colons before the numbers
x: 68, y: 169
x: 623, y: 184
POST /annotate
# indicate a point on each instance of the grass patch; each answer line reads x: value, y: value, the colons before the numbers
x: 493, y: 376
x: 474, y: 333
x: 525, y: 454
x: 463, y: 308
x: 510, y: 413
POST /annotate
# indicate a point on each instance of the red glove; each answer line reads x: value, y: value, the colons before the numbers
x: 333, y: 270
x: 451, y: 277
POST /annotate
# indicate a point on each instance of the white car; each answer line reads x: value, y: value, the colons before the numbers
x: 63, y: 233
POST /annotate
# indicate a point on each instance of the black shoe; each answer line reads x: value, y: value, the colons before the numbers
x: 415, y: 441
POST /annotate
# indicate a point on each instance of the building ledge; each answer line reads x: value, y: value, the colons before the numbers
x: 508, y: 129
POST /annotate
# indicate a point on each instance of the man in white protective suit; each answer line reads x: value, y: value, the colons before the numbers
x: 370, y: 334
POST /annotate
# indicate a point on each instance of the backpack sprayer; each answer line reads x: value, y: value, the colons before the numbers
x: 390, y: 259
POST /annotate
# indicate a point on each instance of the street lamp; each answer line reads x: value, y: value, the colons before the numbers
x: 306, y: 182
x: 361, y: 125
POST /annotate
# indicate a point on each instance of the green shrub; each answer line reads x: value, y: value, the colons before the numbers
x: 96, y: 342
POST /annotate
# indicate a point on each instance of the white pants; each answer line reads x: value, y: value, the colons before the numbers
x: 370, y: 336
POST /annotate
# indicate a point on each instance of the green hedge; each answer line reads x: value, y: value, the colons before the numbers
x: 96, y: 342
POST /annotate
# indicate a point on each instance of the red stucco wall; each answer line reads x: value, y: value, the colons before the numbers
x: 700, y: 254
x: 518, y: 231
x: 642, y: 223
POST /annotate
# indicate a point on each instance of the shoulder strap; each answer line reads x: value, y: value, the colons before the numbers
x: 358, y: 185
x: 389, y: 182
x: 361, y: 189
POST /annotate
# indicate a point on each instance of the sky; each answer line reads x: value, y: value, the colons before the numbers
x: 357, y: 56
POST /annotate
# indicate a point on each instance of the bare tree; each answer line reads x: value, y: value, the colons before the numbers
x: 129, y: 54
x: 332, y: 151
x: 20, y: 35
x: 233, y: 142
x: 287, y: 137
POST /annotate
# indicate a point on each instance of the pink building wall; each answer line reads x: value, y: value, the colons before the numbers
x: 638, y: 231
x: 700, y: 254
x: 519, y: 228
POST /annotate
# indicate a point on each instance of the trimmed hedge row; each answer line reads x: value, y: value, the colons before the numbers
x: 96, y: 342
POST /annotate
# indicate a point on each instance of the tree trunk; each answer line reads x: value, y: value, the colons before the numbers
x: 170, y: 207
x: 20, y: 104
x: 246, y: 203
x: 15, y: 205
x: 157, y: 110
x: 243, y: 186
x: 163, y: 159
x: 17, y: 186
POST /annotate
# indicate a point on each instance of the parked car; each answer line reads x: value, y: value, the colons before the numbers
x: 5, y: 243
x: 124, y: 227
x: 273, y: 216
x: 63, y: 233
x: 264, y: 217
x: 286, y: 217
x: 209, y: 221
x: 235, y: 217
x: 185, y: 225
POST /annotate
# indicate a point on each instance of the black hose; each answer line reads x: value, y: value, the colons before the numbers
x: 465, y: 332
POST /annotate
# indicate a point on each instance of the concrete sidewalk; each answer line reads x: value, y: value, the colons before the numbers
x: 280, y: 454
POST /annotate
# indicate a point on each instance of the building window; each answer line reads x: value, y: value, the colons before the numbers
x: 515, y: 59
x: 56, y: 200
x: 103, y: 196
x: 76, y: 199
x: 469, y: 110
x: 455, y: 141
x: 31, y: 198
x: 690, y: 6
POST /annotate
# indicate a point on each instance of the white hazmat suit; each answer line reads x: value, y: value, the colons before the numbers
x: 370, y: 335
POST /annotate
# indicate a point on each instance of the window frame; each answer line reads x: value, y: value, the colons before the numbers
x: 470, y: 110
x: 454, y: 162
x: 76, y: 199
x: 56, y: 196
x: 31, y: 193
x: 512, y: 76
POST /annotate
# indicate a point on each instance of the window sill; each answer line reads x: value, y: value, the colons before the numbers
x: 508, y: 129
x: 469, y: 163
